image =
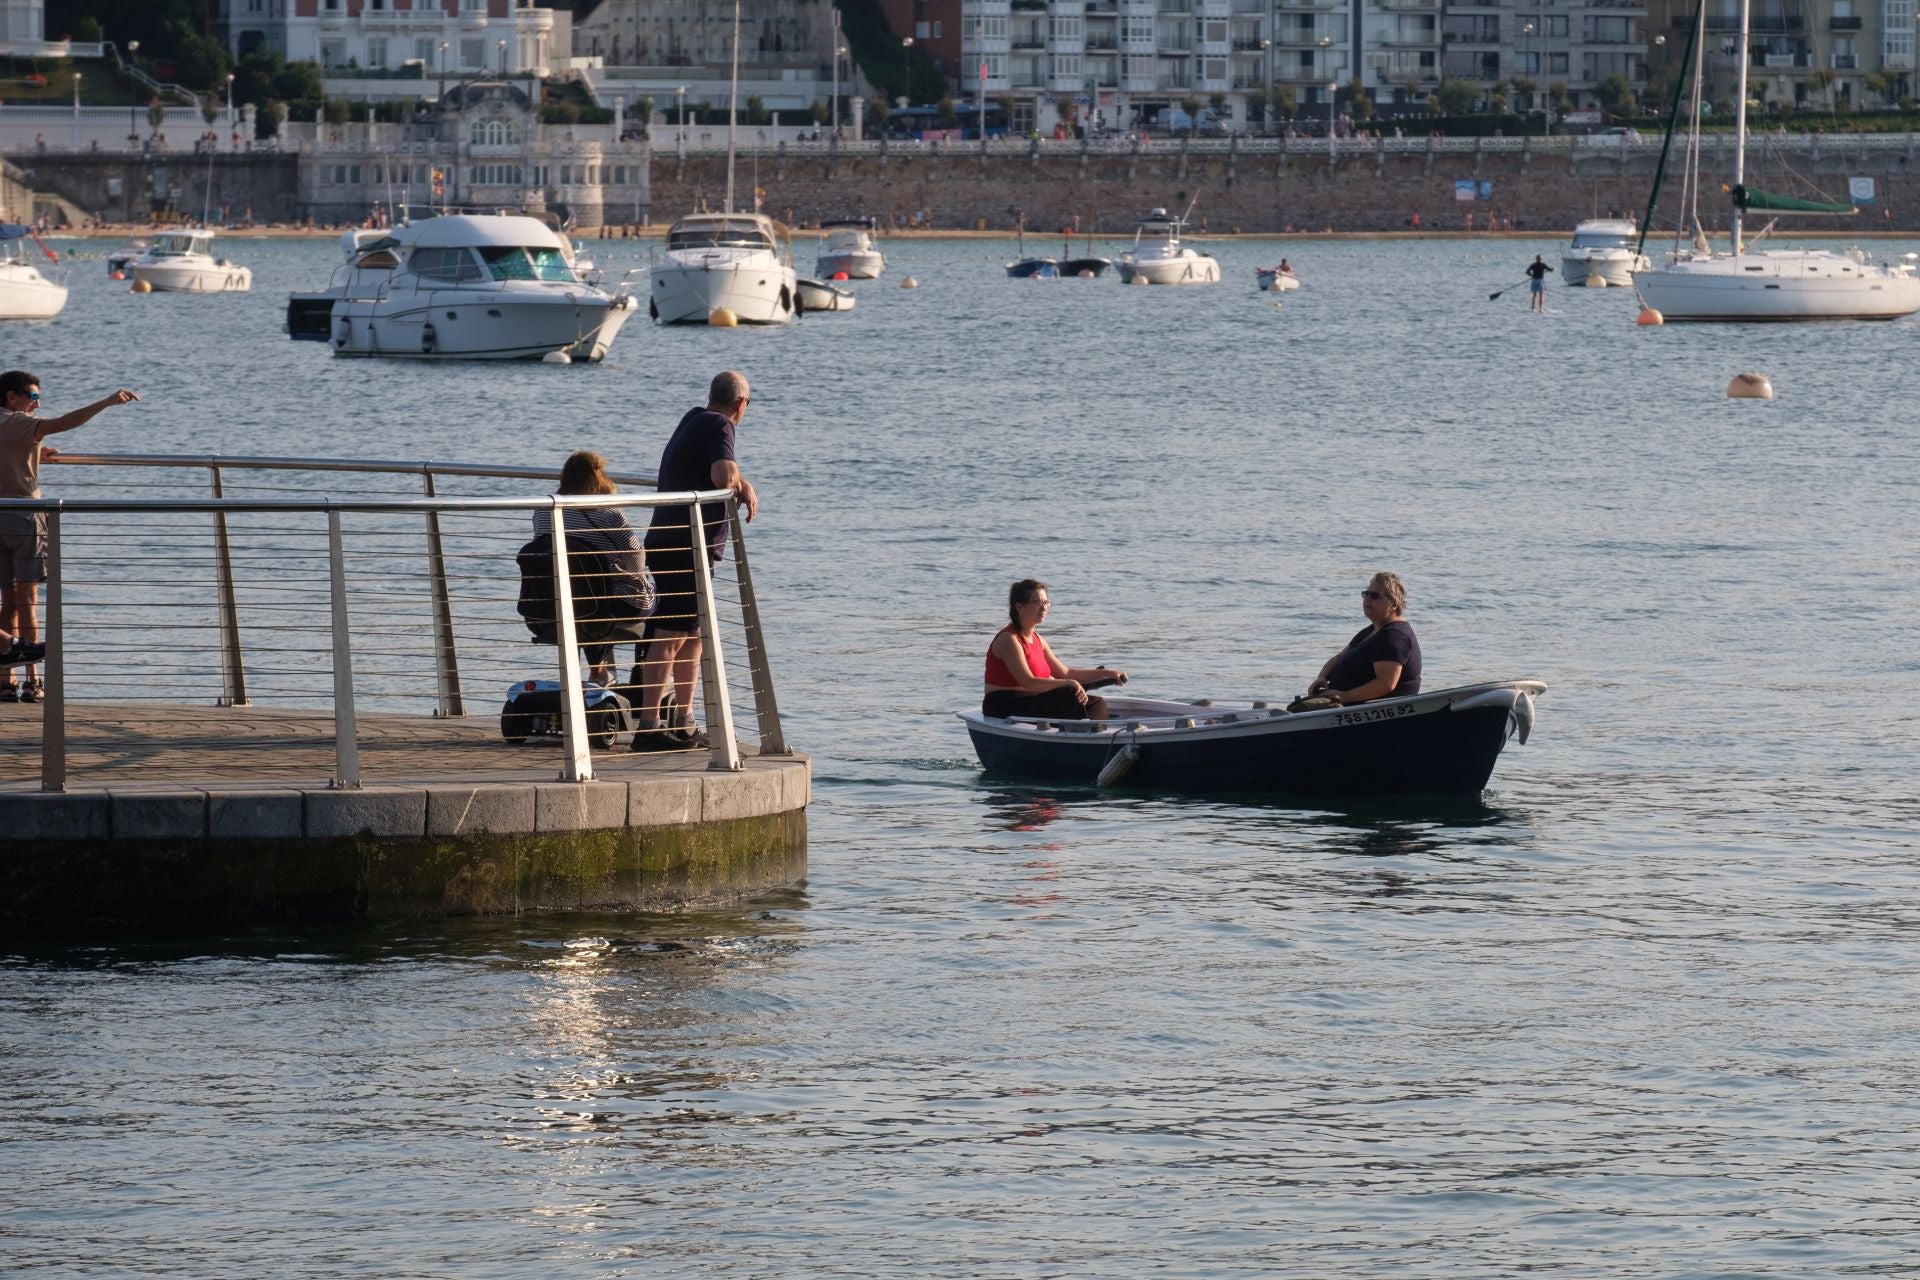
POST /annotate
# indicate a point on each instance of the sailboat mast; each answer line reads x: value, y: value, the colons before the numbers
x: 1740, y: 120
x: 733, y: 103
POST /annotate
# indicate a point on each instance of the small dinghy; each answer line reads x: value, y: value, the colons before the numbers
x: 1274, y: 280
x: 818, y: 295
x: 1444, y: 742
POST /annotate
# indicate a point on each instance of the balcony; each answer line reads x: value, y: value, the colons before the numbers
x: 1428, y: 5
x: 1248, y: 46
x: 1846, y: 62
x: 1838, y: 23
x: 1028, y: 43
x: 1409, y: 40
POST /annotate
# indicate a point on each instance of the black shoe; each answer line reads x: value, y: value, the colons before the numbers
x: 656, y: 739
x: 29, y: 693
x: 9, y: 693
x: 22, y: 652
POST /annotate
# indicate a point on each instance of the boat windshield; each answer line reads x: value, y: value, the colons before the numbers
x: 172, y: 246
x: 719, y: 235
x: 445, y: 264
x: 511, y: 262
x: 1602, y: 240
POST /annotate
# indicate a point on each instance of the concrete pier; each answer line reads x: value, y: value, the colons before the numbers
x: 196, y: 816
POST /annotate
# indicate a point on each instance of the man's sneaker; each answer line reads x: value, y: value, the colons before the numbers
x: 656, y: 738
x: 9, y: 692
x: 29, y: 693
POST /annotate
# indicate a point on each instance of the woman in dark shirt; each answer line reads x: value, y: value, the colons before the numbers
x: 1383, y: 658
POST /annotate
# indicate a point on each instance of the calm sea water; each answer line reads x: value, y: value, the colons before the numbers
x: 1648, y: 1010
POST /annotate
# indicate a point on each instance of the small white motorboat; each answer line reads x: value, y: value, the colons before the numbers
x: 183, y: 262
x: 818, y: 295
x: 1278, y: 279
x: 1604, y: 248
x: 1158, y: 257
x: 25, y: 294
x: 849, y: 252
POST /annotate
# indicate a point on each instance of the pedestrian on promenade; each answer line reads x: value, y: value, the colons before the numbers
x: 1537, y: 283
x: 23, y: 535
x: 699, y: 455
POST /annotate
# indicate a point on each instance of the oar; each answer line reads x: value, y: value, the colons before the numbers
x: 1492, y: 296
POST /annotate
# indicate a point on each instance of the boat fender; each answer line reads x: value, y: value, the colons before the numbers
x: 1116, y: 768
x: 786, y: 299
x: 1260, y: 705
x: 428, y: 338
x: 1520, y: 717
x: 342, y: 331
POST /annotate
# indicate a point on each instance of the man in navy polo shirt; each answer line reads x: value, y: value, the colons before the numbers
x: 698, y: 457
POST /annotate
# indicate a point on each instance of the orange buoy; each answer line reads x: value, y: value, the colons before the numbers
x: 1750, y: 386
x: 1648, y: 316
x: 721, y: 318
x: 839, y: 275
x: 119, y: 275
x: 141, y: 286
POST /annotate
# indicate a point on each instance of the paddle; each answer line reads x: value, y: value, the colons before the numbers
x: 1509, y: 288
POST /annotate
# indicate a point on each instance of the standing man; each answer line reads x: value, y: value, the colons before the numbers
x: 699, y: 457
x: 1537, y: 284
x: 23, y: 535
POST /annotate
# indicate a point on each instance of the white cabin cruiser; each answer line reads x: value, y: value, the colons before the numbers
x: 183, y: 262
x: 723, y: 260
x: 25, y: 294
x: 472, y: 287
x: 1606, y: 248
x: 849, y: 251
x: 1157, y: 256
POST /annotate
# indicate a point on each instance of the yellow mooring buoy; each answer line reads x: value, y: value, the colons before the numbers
x: 141, y: 286
x: 721, y: 318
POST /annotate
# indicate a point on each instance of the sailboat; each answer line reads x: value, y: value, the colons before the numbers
x: 1695, y: 283
x: 725, y: 262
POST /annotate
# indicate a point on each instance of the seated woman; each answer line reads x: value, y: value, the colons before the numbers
x: 604, y: 529
x: 1383, y: 658
x: 1024, y: 678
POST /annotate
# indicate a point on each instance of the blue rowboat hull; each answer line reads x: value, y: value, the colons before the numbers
x: 1444, y: 742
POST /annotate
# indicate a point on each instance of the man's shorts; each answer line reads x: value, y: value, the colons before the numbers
x: 1539, y: 285
x: 23, y: 546
x: 676, y: 609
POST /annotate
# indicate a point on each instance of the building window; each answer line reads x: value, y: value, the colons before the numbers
x: 1066, y: 66
x: 376, y: 51
x: 1067, y: 27
x: 1214, y: 32
x: 1214, y: 69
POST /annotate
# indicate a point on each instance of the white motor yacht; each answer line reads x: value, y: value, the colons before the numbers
x: 849, y: 250
x: 183, y: 262
x: 723, y: 260
x: 25, y: 294
x: 1157, y: 256
x: 472, y: 287
x: 1606, y: 248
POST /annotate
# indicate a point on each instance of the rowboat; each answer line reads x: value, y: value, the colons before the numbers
x: 1442, y: 742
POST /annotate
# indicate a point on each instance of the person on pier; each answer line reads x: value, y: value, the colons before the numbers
x: 1026, y: 678
x: 699, y: 456
x: 23, y: 535
x: 603, y: 529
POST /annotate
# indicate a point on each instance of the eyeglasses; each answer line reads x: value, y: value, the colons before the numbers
x: 33, y: 395
x: 1043, y: 602
x: 1371, y: 594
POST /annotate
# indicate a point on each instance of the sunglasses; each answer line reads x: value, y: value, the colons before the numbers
x: 1371, y: 594
x: 33, y: 395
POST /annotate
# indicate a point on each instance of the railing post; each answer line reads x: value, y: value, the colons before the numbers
x: 346, y: 725
x: 766, y: 709
x: 53, y: 706
x: 233, y: 671
x: 446, y: 658
x: 577, y: 766
x: 713, y: 668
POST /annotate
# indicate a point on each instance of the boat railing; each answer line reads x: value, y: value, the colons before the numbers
x: 332, y: 590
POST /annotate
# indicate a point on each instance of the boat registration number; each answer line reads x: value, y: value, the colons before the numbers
x: 1364, y: 714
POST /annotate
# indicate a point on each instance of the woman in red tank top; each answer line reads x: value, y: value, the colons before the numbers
x: 1025, y: 678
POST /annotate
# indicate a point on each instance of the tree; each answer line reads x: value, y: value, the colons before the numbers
x: 1498, y: 104
x: 1614, y: 93
x: 1359, y: 105
x: 1457, y: 97
x: 945, y: 110
x: 1433, y: 104
x: 1069, y: 114
x: 87, y: 29
x: 1191, y: 105
x: 1218, y: 101
x: 297, y: 80
x: 1285, y: 102
x: 1821, y: 81
x: 878, y: 111
x: 756, y: 109
x: 643, y: 112
x: 200, y: 61
x: 339, y: 111
x: 1562, y: 100
x: 820, y: 111
x: 267, y: 117
x: 209, y: 107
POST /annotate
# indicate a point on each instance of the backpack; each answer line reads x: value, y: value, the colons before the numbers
x: 608, y: 605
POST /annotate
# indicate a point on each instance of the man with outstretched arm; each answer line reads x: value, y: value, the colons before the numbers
x: 23, y: 534
x: 699, y: 456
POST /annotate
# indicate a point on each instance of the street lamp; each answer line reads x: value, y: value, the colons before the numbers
x: 680, y: 115
x: 1527, y: 65
x: 502, y: 45
x: 1266, y: 84
x: 133, y: 95
x: 230, y: 127
x: 839, y: 52
x: 906, y: 58
x: 1333, y: 88
x: 443, y: 68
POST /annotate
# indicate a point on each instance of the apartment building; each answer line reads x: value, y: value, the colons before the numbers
x: 443, y: 37
x: 1815, y: 54
x: 1132, y: 59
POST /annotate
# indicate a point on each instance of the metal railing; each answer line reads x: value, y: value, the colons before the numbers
x: 279, y: 586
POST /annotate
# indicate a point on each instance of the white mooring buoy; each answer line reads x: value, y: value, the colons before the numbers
x: 556, y: 357
x: 1750, y: 386
x: 1594, y: 280
x: 909, y: 283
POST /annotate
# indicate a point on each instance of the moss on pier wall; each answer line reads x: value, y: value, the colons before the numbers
x: 48, y: 885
